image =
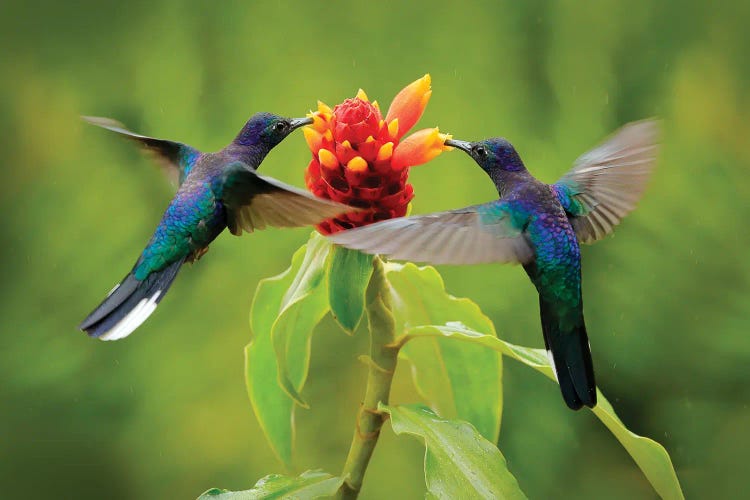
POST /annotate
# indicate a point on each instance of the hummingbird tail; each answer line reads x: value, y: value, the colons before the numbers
x: 129, y: 304
x: 570, y: 356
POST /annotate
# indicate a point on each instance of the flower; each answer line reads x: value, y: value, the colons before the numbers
x: 359, y: 158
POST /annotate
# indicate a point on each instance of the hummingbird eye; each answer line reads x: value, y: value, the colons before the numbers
x: 280, y: 126
x: 480, y: 151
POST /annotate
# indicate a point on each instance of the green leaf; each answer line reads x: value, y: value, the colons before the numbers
x: 272, y: 405
x: 348, y: 278
x: 310, y: 484
x: 458, y: 462
x: 650, y: 456
x: 302, y: 307
x: 458, y: 379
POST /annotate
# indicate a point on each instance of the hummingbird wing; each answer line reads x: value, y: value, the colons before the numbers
x: 174, y: 157
x: 605, y: 184
x: 254, y: 201
x: 471, y: 235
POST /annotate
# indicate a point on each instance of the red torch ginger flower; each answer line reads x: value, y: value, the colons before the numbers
x: 360, y: 159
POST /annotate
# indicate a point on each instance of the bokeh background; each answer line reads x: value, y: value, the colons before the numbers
x: 164, y: 414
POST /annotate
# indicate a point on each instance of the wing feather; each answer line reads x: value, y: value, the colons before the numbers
x: 454, y: 237
x: 605, y: 184
x: 255, y: 202
x: 175, y: 158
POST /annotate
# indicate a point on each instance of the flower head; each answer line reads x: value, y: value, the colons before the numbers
x: 359, y: 158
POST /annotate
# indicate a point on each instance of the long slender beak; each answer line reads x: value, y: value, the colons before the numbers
x: 300, y: 122
x: 464, y: 146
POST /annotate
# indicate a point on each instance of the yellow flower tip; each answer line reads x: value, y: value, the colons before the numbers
x: 421, y: 85
x: 436, y: 138
x: 362, y: 96
x: 328, y: 159
x: 376, y: 105
x: 357, y: 164
x: 346, y: 144
x: 370, y: 139
x: 328, y: 135
x: 446, y: 137
x: 324, y: 108
x: 313, y: 138
x: 420, y: 147
x: 319, y: 122
x: 385, y: 152
x: 409, y: 104
x: 393, y: 128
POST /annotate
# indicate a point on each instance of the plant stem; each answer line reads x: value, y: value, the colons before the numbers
x: 381, y: 366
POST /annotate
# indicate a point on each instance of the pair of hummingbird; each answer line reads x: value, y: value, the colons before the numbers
x: 532, y: 223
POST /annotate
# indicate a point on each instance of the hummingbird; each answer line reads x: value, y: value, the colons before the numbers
x: 216, y: 191
x: 537, y: 225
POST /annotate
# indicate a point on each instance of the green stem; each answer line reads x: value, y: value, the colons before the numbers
x: 381, y: 366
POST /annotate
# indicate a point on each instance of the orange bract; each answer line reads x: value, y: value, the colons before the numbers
x: 359, y: 158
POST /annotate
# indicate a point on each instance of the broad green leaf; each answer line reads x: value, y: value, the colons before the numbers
x: 272, y: 405
x: 302, y: 307
x: 310, y: 484
x: 458, y: 462
x: 650, y: 456
x: 458, y: 379
x: 348, y: 278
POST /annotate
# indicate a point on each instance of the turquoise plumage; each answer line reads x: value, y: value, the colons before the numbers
x: 216, y: 191
x: 537, y: 225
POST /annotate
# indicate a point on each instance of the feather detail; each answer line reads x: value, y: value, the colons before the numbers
x: 462, y: 236
x: 175, y: 158
x: 254, y: 202
x: 605, y: 184
x: 129, y: 304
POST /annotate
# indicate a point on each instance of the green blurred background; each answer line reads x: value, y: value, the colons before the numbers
x: 164, y: 413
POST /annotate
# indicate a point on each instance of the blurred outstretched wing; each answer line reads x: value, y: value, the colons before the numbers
x: 471, y: 235
x: 254, y: 201
x: 605, y: 184
x: 176, y: 158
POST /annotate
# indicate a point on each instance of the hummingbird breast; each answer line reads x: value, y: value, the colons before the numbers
x: 192, y: 220
x: 556, y: 269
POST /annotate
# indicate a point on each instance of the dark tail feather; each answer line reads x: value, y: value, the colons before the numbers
x: 571, y: 357
x: 129, y: 304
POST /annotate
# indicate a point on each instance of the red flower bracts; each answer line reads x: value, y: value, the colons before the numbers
x: 360, y: 159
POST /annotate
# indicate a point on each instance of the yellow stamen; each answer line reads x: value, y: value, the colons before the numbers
x: 328, y: 159
x: 385, y: 152
x: 393, y: 127
x: 357, y: 164
x: 446, y: 137
x: 313, y: 138
x: 319, y: 123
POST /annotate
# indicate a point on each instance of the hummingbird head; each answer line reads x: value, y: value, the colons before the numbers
x: 494, y: 155
x: 266, y: 130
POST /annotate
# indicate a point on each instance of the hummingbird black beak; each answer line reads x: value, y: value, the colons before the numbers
x: 300, y: 122
x: 464, y: 146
